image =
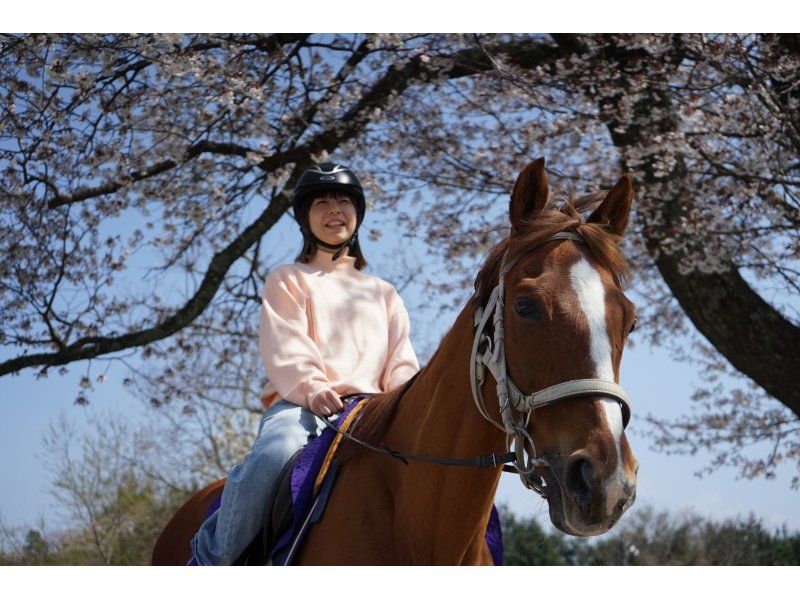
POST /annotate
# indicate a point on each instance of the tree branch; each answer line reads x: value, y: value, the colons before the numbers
x: 389, y: 87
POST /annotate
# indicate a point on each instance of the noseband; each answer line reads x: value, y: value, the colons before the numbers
x: 490, y: 353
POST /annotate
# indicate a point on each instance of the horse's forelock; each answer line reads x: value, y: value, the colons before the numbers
x: 569, y: 216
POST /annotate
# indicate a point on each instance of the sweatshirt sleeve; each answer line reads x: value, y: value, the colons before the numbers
x: 401, y: 362
x: 291, y: 358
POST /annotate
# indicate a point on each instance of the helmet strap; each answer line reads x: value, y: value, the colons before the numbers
x: 340, y: 247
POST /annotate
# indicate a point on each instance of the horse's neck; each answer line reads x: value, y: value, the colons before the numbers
x: 438, y: 412
x: 437, y: 416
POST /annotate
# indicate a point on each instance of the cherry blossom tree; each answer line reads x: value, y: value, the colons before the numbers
x: 178, y: 153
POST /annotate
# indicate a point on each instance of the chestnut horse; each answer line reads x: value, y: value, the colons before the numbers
x: 565, y: 321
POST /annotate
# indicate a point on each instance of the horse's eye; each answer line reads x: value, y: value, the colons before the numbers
x: 527, y: 309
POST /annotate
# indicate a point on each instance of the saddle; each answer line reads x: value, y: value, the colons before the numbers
x: 290, y: 502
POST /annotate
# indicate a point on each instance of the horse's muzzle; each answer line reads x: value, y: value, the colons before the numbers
x: 583, y: 499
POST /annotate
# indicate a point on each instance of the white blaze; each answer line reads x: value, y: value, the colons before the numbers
x: 592, y: 298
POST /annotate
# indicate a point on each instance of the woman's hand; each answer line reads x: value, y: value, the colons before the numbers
x: 326, y: 402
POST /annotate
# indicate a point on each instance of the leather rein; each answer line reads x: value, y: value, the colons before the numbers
x: 488, y: 352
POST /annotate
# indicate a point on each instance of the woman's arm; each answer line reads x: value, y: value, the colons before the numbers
x: 291, y: 358
x: 401, y: 362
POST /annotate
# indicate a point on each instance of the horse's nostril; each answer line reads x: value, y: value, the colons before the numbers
x: 578, y: 478
x: 628, y: 488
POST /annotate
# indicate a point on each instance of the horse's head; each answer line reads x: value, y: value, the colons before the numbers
x: 566, y: 318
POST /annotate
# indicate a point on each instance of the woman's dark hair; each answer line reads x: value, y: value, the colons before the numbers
x: 309, y: 247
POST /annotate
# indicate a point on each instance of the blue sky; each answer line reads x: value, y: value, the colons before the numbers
x: 655, y: 382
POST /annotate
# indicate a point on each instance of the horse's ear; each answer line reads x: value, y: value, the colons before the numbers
x: 529, y: 195
x: 616, y: 207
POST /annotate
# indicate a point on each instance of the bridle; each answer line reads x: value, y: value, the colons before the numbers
x: 489, y: 352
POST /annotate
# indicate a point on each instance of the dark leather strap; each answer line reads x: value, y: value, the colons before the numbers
x: 492, y: 460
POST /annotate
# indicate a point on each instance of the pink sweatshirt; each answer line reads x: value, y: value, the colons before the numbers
x: 327, y: 325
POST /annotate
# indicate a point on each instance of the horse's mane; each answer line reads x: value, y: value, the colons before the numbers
x: 570, y: 216
x: 379, y: 413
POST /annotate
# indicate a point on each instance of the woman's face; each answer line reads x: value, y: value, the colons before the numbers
x: 332, y: 208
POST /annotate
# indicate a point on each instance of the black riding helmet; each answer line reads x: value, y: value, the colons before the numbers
x: 319, y: 179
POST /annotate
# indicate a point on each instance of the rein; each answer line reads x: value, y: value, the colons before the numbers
x: 492, y: 460
x: 488, y: 352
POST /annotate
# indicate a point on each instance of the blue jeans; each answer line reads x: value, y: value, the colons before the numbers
x: 285, y: 428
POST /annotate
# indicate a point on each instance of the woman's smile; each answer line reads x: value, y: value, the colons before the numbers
x: 332, y: 218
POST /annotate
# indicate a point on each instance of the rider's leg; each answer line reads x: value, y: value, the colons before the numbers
x: 284, y: 429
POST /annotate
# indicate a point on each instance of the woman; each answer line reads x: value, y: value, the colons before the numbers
x: 326, y: 330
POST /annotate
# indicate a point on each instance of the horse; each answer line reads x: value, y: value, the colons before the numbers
x: 560, y: 323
